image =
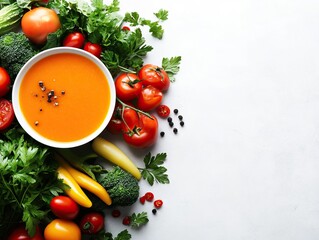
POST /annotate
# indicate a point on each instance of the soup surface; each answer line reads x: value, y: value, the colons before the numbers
x: 64, y: 97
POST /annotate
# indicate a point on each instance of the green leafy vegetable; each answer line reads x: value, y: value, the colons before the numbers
x: 139, y: 219
x: 171, y: 66
x: 153, y: 170
x: 28, y: 181
x: 102, y: 23
x: 123, y: 235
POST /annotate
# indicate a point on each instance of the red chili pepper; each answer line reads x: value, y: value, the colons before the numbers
x: 158, y: 203
x: 142, y: 199
x: 126, y: 220
x: 149, y: 196
x: 126, y: 28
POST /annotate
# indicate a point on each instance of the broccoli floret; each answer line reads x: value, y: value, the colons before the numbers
x: 15, y: 51
x: 122, y: 187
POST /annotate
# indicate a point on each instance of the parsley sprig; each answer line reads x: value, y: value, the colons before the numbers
x: 171, y: 66
x: 139, y: 219
x: 154, y: 171
x: 28, y: 181
x: 123, y: 235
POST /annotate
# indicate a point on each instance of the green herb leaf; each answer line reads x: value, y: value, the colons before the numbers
x: 139, y: 219
x: 162, y: 14
x: 124, y: 235
x: 171, y: 66
x: 153, y: 171
x: 28, y: 181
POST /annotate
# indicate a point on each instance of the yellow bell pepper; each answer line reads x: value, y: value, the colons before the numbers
x: 75, y: 192
x: 86, y: 182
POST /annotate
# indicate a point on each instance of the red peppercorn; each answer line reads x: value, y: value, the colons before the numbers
x: 116, y: 213
x: 149, y: 196
x: 158, y: 203
x: 126, y: 220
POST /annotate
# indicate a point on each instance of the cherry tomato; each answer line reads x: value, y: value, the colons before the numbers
x: 163, y: 111
x: 6, y: 114
x: 128, y: 86
x: 75, y: 39
x: 92, y: 223
x: 154, y: 75
x: 149, y: 196
x: 149, y: 98
x: 93, y: 48
x: 64, y: 207
x: 140, y: 131
x: 4, y: 82
x: 38, y: 23
x: 20, y: 233
x: 115, y: 124
x: 158, y: 203
x: 60, y: 229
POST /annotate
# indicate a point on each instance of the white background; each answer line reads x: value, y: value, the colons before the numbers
x: 246, y: 164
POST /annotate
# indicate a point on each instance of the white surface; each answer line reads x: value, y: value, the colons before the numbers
x: 246, y: 164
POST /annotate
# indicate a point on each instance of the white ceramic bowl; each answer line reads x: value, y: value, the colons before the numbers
x: 21, y: 118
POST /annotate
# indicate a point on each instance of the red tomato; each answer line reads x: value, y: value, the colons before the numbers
x: 128, y: 86
x: 163, y: 111
x: 149, y: 196
x: 158, y: 203
x: 154, y: 75
x: 38, y: 23
x: 92, y: 223
x: 149, y: 98
x: 64, y: 207
x: 4, y: 82
x: 6, y: 114
x: 75, y: 39
x: 115, y: 124
x: 140, y: 131
x: 20, y: 233
x: 93, y: 48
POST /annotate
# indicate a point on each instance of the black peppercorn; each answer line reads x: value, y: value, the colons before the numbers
x: 175, y: 130
x: 162, y: 134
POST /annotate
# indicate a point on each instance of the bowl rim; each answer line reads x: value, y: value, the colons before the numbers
x: 22, y: 120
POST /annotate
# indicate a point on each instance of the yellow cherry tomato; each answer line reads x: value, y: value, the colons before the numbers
x: 38, y: 23
x: 60, y: 229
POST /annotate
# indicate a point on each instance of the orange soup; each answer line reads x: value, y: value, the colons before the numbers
x: 64, y: 97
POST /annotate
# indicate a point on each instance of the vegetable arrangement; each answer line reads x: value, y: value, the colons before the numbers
x: 54, y: 193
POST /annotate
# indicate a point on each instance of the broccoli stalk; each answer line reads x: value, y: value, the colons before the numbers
x: 15, y: 51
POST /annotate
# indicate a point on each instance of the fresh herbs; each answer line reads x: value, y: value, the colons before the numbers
x: 171, y: 66
x: 123, y: 235
x: 102, y: 23
x: 139, y: 219
x: 28, y: 181
x: 154, y: 26
x: 153, y: 171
